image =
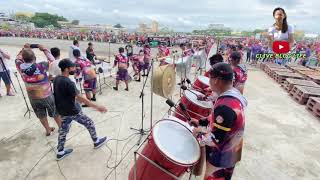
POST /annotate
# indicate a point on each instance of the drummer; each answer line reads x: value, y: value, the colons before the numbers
x: 185, y: 51
x: 213, y: 60
x: 137, y: 64
x: 146, y: 59
x: 163, y: 52
x: 222, y: 144
x: 123, y: 63
x: 240, y: 71
x: 89, y: 75
x: 210, y: 95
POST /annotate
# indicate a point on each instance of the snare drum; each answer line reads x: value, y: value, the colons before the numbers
x: 199, y: 58
x: 104, y: 68
x: 196, y: 109
x: 169, y: 60
x: 201, y: 83
x: 172, y: 146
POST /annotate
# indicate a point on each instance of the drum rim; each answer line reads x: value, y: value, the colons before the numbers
x: 195, y: 103
x: 201, y: 77
x: 171, y: 160
x: 185, y: 60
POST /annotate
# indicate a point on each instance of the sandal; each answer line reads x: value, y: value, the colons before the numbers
x: 10, y: 94
x: 52, y: 129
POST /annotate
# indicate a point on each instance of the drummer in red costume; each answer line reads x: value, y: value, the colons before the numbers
x: 147, y: 58
x: 185, y: 50
x: 123, y: 63
x: 137, y: 64
x: 162, y: 54
x: 214, y: 59
x: 88, y: 73
x: 240, y: 71
x: 222, y: 143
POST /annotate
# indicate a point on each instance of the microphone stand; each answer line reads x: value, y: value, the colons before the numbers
x: 141, y: 131
x: 104, y: 78
x: 24, y: 98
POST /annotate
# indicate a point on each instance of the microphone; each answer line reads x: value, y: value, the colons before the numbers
x: 184, y: 109
x: 172, y: 105
x: 183, y: 87
x: 170, y: 102
x: 100, y: 70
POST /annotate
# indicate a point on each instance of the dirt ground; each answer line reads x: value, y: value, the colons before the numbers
x: 282, y: 139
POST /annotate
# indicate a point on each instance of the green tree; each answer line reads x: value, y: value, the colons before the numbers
x: 75, y: 22
x: 42, y: 20
x: 5, y: 26
x: 256, y: 31
x: 247, y: 33
x: 23, y: 18
x: 118, y: 26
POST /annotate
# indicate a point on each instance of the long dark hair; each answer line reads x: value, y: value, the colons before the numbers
x: 284, y: 27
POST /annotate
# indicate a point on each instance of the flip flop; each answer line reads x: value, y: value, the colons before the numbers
x: 52, y: 129
x: 10, y: 94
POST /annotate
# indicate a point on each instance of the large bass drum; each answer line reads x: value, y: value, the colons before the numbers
x: 172, y: 146
x: 164, y: 80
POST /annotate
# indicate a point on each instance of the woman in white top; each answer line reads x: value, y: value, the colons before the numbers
x: 280, y: 30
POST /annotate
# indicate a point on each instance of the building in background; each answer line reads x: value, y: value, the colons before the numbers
x: 5, y: 18
x: 154, y: 26
x: 144, y: 28
x: 216, y: 26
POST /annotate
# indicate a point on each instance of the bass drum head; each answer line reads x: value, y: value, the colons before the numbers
x: 173, y: 118
x: 176, y: 142
x: 164, y: 81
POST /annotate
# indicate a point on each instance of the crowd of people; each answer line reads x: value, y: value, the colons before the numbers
x: 97, y: 36
x: 306, y: 53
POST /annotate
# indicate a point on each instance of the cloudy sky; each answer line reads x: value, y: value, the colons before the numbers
x: 181, y: 15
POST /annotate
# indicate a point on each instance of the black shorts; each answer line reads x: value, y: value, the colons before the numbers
x: 5, y: 76
x: 44, y: 107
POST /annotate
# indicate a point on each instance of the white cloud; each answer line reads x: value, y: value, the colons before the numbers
x: 29, y: 6
x: 51, y: 7
x: 115, y: 11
